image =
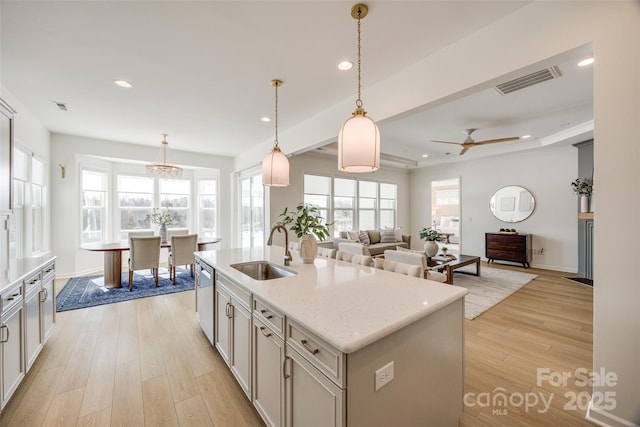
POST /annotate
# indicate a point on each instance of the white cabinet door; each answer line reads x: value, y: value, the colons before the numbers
x: 311, y: 398
x: 33, y: 338
x: 240, y: 360
x: 12, y: 351
x: 268, y: 380
x: 48, y: 299
x: 222, y: 324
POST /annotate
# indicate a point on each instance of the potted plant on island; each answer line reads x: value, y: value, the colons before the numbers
x: 307, y: 224
x: 583, y: 187
x: 163, y: 219
x: 431, y: 235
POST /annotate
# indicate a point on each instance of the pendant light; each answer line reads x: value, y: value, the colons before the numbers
x: 164, y: 170
x: 275, y: 167
x: 359, y: 138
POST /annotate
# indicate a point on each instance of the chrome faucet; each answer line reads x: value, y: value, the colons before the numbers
x: 287, y: 254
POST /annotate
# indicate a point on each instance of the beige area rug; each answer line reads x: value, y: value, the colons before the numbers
x: 493, y: 286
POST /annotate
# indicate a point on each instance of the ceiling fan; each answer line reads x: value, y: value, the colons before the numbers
x: 470, y: 142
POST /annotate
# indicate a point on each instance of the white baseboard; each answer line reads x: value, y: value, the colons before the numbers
x: 606, y: 419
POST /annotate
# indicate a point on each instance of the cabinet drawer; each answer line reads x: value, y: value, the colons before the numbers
x: 507, y: 255
x: 322, y: 355
x: 48, y: 272
x: 271, y: 317
x: 239, y: 294
x: 515, y: 246
x: 10, y: 297
x: 32, y: 282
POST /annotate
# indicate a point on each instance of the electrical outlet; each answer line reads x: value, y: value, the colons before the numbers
x: 384, y: 375
x: 538, y: 251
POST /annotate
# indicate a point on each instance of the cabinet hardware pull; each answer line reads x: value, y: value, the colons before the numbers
x: 44, y: 294
x: 266, y: 334
x: 227, y: 310
x: 6, y: 328
x: 306, y: 346
x: 267, y: 316
x: 284, y: 367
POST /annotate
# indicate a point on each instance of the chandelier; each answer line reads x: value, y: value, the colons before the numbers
x: 275, y: 167
x: 164, y: 170
x: 359, y: 138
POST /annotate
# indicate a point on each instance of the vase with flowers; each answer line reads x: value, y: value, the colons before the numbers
x: 307, y: 224
x: 162, y: 219
x: 583, y: 187
x: 431, y: 235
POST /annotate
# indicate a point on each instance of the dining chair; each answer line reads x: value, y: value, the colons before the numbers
x: 177, y: 232
x: 182, y: 249
x: 144, y: 253
x: 327, y: 252
x: 398, y: 267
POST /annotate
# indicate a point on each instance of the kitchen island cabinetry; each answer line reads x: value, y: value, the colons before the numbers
x: 321, y: 355
x: 232, y: 329
x: 12, y: 368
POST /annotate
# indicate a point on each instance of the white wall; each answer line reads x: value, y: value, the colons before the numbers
x: 29, y: 133
x: 73, y: 151
x: 546, y: 173
x: 314, y: 164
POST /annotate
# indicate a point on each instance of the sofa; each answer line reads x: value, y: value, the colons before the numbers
x: 376, y: 241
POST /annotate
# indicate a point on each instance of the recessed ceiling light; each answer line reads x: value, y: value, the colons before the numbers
x: 586, y: 62
x: 345, y: 65
x: 525, y: 136
x: 425, y: 155
x: 123, y: 83
x: 265, y: 119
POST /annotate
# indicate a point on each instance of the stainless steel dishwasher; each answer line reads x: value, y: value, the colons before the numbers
x: 204, y: 298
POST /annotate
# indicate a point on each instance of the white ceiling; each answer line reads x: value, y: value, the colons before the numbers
x: 201, y: 71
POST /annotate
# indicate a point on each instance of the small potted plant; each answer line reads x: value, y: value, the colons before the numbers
x: 583, y: 187
x: 162, y: 219
x: 307, y: 224
x: 444, y: 250
x: 431, y: 236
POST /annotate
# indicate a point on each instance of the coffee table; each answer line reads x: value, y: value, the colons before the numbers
x: 459, y: 261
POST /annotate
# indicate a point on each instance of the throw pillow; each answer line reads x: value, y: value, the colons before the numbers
x: 415, y: 251
x: 344, y: 235
x: 387, y: 236
x: 353, y: 235
x: 374, y: 236
x: 398, y: 234
x: 364, y: 238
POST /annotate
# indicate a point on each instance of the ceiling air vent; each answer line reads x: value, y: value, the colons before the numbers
x: 528, y: 80
x: 61, y: 105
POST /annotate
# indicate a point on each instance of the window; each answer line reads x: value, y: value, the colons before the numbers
x: 251, y: 212
x: 367, y: 206
x: 344, y: 205
x: 388, y: 199
x: 175, y: 195
x: 20, y: 180
x: 38, y: 204
x: 135, y: 202
x: 207, y: 197
x: 94, y: 206
x: 317, y: 193
x: 375, y: 203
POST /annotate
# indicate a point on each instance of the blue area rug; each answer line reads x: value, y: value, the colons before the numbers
x: 89, y: 291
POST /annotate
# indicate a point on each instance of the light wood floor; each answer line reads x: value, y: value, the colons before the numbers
x: 146, y: 362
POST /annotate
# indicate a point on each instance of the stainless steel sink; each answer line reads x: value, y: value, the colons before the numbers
x: 263, y: 270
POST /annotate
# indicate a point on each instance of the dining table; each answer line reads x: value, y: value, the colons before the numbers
x: 113, y: 256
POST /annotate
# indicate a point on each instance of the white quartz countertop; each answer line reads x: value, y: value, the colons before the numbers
x: 20, y: 269
x: 347, y: 305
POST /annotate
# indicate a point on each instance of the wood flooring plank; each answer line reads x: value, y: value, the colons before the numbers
x: 64, y: 409
x: 101, y: 418
x: 193, y: 412
x: 159, y: 409
x: 179, y: 373
x: 128, y: 404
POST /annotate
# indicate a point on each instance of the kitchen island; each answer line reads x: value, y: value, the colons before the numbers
x: 336, y: 343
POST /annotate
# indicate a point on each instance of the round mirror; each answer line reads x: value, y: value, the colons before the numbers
x: 512, y: 203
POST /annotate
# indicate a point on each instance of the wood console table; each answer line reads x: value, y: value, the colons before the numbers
x: 508, y: 247
x: 113, y: 257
